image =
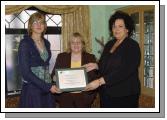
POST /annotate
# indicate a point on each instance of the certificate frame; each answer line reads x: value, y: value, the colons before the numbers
x: 73, y: 72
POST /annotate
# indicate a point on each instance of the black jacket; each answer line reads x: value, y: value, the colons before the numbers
x: 120, y: 69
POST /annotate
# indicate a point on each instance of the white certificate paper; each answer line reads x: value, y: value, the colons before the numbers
x: 72, y: 79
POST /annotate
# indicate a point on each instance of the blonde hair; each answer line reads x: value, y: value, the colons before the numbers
x: 34, y: 17
x: 76, y: 35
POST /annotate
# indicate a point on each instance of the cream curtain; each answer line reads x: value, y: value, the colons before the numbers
x: 54, y: 9
x: 13, y: 9
x: 75, y: 18
x: 78, y: 21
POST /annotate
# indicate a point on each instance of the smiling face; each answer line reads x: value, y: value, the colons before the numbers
x: 76, y: 45
x: 119, y: 30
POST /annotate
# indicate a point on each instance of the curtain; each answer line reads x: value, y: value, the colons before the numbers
x: 53, y: 9
x: 75, y: 18
x: 13, y: 9
x: 77, y: 21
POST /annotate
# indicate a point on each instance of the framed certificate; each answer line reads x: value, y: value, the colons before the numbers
x: 71, y: 79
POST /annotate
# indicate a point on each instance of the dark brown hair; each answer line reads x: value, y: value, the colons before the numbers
x: 129, y: 23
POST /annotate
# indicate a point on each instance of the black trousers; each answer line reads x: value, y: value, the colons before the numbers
x: 119, y: 102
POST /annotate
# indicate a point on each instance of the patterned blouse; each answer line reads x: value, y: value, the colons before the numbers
x: 41, y: 71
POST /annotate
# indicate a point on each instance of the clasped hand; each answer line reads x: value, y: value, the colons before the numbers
x: 95, y: 84
x: 55, y: 89
x: 90, y: 66
x: 92, y: 85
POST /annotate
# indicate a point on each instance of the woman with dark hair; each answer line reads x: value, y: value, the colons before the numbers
x: 118, y: 66
x: 76, y: 57
x: 34, y: 55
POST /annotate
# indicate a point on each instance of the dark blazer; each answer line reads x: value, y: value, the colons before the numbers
x: 28, y: 56
x: 35, y: 92
x: 64, y: 61
x: 120, y: 69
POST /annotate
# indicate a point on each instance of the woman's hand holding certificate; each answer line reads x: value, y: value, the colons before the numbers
x: 72, y: 79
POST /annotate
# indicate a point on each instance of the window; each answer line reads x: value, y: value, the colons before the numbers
x: 144, y: 18
x: 16, y: 27
x: 149, y: 49
x: 148, y: 44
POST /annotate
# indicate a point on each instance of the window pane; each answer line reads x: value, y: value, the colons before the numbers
x: 54, y: 41
x: 136, y: 35
x: 53, y: 60
x: 16, y: 23
x: 53, y: 20
x: 30, y: 12
x: 9, y: 18
x: 51, y: 23
x: 57, y: 19
x: 12, y: 72
x: 23, y: 16
x: 21, y: 20
x: 149, y: 48
x: 55, y: 48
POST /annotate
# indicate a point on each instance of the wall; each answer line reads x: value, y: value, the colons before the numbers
x: 99, y: 16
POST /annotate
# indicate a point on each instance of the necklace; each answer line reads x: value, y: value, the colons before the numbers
x: 39, y: 45
x: 38, y: 41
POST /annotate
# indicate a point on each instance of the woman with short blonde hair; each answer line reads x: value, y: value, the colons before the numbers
x: 76, y: 57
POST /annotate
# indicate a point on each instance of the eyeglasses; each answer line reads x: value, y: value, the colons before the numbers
x: 38, y: 22
x: 75, y: 43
